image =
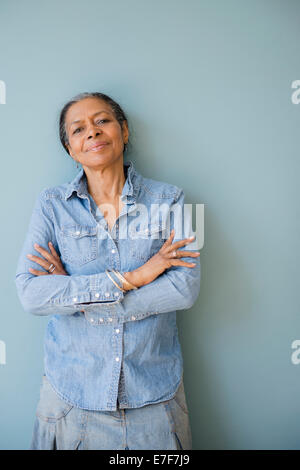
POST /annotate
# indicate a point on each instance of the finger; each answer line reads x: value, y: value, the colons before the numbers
x: 169, y: 240
x: 53, y: 251
x: 180, y: 243
x: 45, y: 264
x: 48, y: 256
x: 179, y: 262
x: 183, y: 254
x: 37, y: 272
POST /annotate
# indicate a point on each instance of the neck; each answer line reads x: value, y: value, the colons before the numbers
x: 106, y: 183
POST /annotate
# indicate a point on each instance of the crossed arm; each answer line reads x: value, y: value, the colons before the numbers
x: 177, y: 288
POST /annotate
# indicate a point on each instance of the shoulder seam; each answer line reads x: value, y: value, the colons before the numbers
x: 179, y: 193
x: 165, y: 195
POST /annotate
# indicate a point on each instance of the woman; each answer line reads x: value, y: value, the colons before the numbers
x: 112, y: 282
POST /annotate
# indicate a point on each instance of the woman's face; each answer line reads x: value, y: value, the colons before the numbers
x: 89, y: 123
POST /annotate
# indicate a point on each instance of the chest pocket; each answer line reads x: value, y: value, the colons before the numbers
x: 79, y: 244
x: 147, y: 241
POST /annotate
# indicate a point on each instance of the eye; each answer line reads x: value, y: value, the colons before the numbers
x: 78, y: 129
x: 101, y: 120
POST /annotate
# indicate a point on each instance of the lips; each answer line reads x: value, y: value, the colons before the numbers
x: 97, y: 146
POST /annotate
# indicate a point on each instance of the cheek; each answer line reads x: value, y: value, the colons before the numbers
x: 75, y: 143
x: 118, y: 139
x: 115, y: 142
x: 115, y: 133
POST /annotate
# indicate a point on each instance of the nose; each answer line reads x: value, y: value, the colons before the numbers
x: 92, y: 132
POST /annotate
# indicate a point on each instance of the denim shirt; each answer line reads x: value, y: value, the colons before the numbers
x: 123, y: 350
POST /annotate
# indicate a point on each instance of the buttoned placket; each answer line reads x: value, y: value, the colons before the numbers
x: 118, y: 381
x: 117, y: 393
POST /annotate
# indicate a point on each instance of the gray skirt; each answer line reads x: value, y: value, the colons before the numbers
x: 61, y: 426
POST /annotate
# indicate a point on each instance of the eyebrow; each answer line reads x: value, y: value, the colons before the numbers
x: 98, y: 112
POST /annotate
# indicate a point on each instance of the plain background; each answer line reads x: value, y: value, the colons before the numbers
x: 207, y: 88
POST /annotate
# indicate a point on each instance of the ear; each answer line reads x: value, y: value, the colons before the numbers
x: 125, y: 131
x: 69, y: 150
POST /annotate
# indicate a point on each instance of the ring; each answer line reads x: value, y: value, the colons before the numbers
x: 51, y: 265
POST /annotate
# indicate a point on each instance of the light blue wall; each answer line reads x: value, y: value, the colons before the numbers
x: 207, y: 88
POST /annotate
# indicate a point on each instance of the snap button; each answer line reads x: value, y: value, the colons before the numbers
x: 117, y: 330
x: 97, y: 294
x: 110, y: 319
x: 132, y: 318
x: 74, y: 299
x: 101, y: 320
x: 106, y: 294
x: 113, y: 251
x: 117, y: 359
x: 78, y: 232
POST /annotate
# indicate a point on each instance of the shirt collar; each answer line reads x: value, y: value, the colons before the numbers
x: 79, y: 183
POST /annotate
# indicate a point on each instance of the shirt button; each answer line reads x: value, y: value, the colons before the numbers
x: 106, y: 294
x: 92, y: 320
x: 110, y: 319
x: 113, y: 251
x: 117, y: 359
x: 97, y: 294
x: 132, y: 318
x: 101, y: 319
x: 117, y: 330
x: 75, y: 299
x: 116, y: 294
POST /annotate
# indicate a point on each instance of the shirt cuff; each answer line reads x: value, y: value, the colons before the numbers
x: 98, y: 288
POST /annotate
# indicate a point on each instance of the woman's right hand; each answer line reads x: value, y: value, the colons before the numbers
x: 162, y: 260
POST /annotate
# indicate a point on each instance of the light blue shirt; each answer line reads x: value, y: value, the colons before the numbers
x: 124, y: 348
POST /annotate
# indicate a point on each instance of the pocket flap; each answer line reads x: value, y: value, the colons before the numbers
x: 79, y: 231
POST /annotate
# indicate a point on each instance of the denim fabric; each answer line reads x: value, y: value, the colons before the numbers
x: 60, y: 426
x: 123, y: 351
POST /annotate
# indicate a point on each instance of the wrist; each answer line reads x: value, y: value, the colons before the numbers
x: 135, y: 277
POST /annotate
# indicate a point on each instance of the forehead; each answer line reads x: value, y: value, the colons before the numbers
x: 85, y: 108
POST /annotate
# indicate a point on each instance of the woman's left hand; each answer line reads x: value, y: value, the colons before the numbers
x: 50, y: 258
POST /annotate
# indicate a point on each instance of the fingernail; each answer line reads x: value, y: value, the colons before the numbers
x: 50, y: 243
x: 191, y: 238
x: 36, y: 245
x: 29, y: 256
